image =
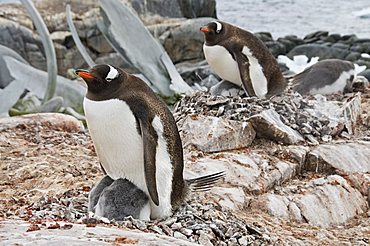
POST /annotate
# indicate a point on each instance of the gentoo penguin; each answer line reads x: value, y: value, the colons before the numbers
x: 240, y: 57
x: 325, y: 77
x: 136, y: 137
x: 121, y: 199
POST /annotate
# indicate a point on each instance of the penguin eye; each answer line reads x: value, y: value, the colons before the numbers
x: 108, y: 79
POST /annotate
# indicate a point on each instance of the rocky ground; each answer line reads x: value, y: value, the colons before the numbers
x: 272, y: 194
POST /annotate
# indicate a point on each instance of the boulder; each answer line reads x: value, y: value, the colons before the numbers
x: 174, y: 9
x: 56, y: 121
x: 366, y: 74
x: 99, y: 44
x: 268, y: 124
x: 212, y: 134
x: 194, y: 72
x: 322, y: 51
x: 183, y: 41
x: 321, y: 202
x: 199, y: 8
x: 347, y: 157
x: 23, y: 41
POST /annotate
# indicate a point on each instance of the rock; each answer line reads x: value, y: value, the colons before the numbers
x: 212, y: 134
x: 61, y: 122
x: 21, y: 39
x: 195, y: 72
x: 253, y: 172
x: 351, y: 111
x: 200, y: 8
x: 174, y: 9
x: 268, y: 125
x: 36, y: 82
x: 366, y: 74
x: 317, y: 34
x: 322, y: 51
x: 13, y: 232
x: 276, y: 48
x: 179, y: 235
x: 155, y: 7
x: 347, y: 157
x: 60, y: 36
x: 99, y: 44
x: 184, y: 41
x: 322, y: 202
x: 232, y: 198
x: 226, y: 88
x: 5, y: 76
x: 264, y: 36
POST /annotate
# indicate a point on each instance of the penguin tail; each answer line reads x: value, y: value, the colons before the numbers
x: 205, y: 183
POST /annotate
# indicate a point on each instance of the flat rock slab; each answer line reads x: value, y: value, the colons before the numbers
x: 14, y: 232
x: 253, y: 172
x: 212, y: 134
x: 268, y: 125
x: 62, y: 122
x: 321, y: 202
x: 348, y: 157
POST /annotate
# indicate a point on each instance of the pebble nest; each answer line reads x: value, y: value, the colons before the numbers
x: 292, y: 108
x: 195, y: 221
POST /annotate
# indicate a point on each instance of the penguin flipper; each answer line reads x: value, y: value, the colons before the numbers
x: 150, y: 145
x: 243, y: 65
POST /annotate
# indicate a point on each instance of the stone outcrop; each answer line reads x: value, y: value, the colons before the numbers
x: 212, y: 134
x: 321, y: 202
x: 54, y: 121
x: 268, y: 125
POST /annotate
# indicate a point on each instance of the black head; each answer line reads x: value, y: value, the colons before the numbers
x: 214, y: 32
x: 102, y: 79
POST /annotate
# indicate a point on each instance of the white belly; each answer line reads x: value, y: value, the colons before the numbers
x: 222, y: 63
x: 119, y: 148
x: 227, y: 68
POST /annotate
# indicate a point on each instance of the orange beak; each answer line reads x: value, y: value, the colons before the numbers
x: 84, y: 74
x: 204, y: 29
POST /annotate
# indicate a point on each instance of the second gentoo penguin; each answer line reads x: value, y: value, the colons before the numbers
x: 136, y: 137
x: 240, y: 57
x: 325, y: 77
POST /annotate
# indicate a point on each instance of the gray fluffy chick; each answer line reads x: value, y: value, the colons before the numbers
x: 121, y: 199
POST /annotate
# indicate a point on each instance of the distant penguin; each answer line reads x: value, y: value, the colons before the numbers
x: 136, y: 137
x: 325, y: 77
x: 240, y: 57
x: 122, y: 199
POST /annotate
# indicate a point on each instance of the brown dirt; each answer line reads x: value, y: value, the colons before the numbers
x: 48, y: 168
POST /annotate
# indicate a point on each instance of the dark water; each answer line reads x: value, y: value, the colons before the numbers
x: 299, y: 17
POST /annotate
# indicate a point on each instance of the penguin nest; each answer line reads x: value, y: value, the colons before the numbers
x: 316, y: 118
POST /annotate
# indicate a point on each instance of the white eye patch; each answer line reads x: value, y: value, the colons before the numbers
x: 113, y: 73
x: 219, y: 26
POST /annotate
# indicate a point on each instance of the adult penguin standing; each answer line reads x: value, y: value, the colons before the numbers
x: 238, y: 56
x: 136, y: 137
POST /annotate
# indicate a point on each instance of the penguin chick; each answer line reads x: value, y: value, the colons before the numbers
x: 325, y: 77
x: 97, y: 190
x: 122, y: 199
x: 240, y: 57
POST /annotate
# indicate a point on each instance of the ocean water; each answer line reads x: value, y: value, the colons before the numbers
x: 298, y: 17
